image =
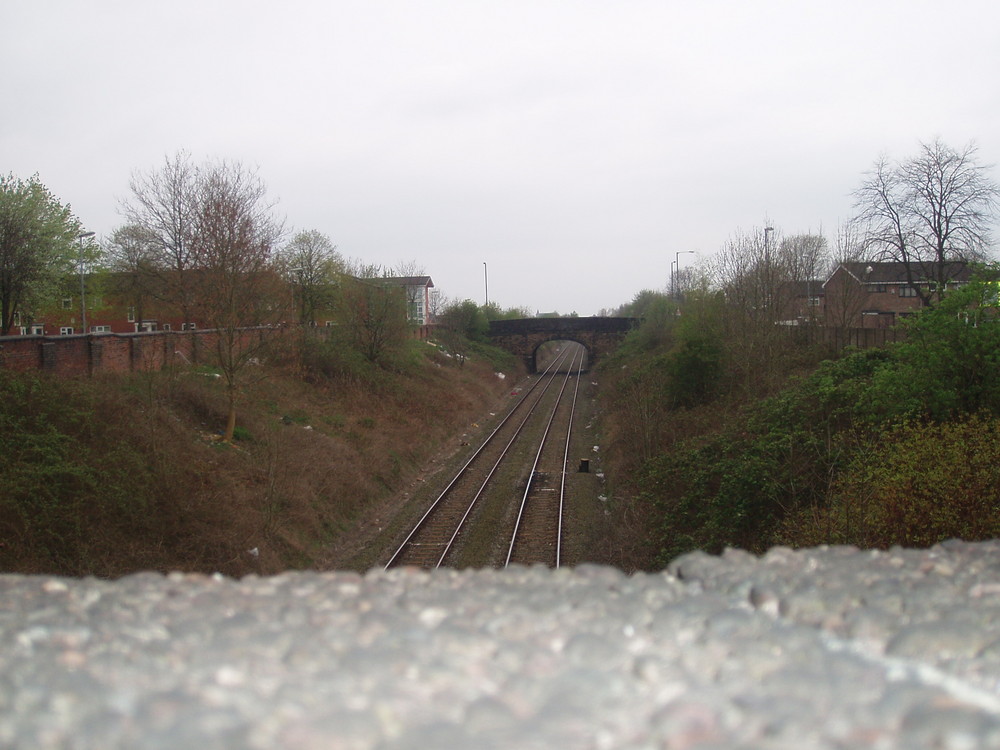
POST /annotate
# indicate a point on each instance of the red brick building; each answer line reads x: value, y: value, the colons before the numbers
x: 878, y: 294
x: 106, y: 311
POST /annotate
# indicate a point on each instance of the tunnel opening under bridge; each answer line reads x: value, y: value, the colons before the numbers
x: 551, y: 350
x: 599, y: 335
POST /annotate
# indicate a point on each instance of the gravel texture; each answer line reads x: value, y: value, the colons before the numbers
x: 821, y: 648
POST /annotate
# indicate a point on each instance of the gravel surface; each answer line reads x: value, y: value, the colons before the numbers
x: 822, y: 648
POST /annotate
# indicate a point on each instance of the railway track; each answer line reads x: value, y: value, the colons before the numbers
x: 537, y: 535
x: 483, y: 490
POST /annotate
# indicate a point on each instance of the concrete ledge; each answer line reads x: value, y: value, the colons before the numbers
x: 823, y: 648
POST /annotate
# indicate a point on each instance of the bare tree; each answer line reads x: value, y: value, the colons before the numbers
x: 844, y: 301
x: 312, y: 265
x: 754, y: 275
x: 414, y: 292
x: 163, y: 203
x: 751, y: 270
x: 409, y: 268
x: 932, y: 213
x: 233, y: 237
x: 439, y: 303
x: 373, y: 317
x: 804, y: 256
x: 132, y: 257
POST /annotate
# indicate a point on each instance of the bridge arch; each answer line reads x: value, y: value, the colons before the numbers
x: 553, y: 339
x: 598, y: 335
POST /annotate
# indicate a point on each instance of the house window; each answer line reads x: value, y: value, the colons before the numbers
x: 165, y: 327
x: 67, y: 303
x: 876, y: 288
x: 38, y: 329
x: 814, y: 302
x: 188, y: 327
x: 100, y: 329
x: 66, y: 331
x: 17, y: 319
x: 131, y: 314
x: 907, y: 291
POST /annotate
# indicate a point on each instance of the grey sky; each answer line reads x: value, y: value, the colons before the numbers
x: 573, y: 145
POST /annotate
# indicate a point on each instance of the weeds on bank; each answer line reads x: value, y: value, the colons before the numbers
x: 106, y: 476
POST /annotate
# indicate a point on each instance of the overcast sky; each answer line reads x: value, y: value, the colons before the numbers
x: 574, y: 146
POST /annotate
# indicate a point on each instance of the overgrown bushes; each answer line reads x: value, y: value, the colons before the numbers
x: 918, y: 484
x: 65, y: 469
x: 880, y: 447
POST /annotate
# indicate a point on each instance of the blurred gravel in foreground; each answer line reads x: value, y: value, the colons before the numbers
x: 822, y: 648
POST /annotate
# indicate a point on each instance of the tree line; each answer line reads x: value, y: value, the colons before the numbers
x: 202, y: 243
x: 735, y: 430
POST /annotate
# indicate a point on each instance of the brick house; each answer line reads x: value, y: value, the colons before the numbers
x: 869, y: 294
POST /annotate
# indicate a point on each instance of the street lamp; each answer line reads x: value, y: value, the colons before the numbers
x: 83, y: 291
x: 486, y: 281
x: 677, y: 266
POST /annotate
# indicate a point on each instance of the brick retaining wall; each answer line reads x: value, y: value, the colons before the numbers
x: 88, y: 354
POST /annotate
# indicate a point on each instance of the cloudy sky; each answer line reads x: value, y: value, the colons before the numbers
x: 573, y: 146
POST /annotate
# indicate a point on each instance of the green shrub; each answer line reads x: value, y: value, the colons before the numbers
x: 695, y: 370
x: 948, y: 366
x: 334, y: 359
x: 917, y: 485
x: 736, y: 486
x: 242, y: 434
x: 63, y: 468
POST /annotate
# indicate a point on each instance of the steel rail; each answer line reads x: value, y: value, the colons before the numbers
x: 496, y: 465
x: 465, y: 467
x: 562, y: 484
x: 538, y: 456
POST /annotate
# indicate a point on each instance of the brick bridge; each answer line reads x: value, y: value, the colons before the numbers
x: 599, y: 336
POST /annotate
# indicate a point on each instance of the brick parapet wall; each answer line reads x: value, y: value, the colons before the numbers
x: 89, y: 354
x: 103, y: 352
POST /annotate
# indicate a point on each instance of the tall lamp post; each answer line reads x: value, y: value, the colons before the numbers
x: 486, y: 281
x: 677, y: 271
x: 83, y: 291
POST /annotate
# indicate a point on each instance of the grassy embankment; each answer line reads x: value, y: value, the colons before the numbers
x: 896, y: 446
x: 111, y: 475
